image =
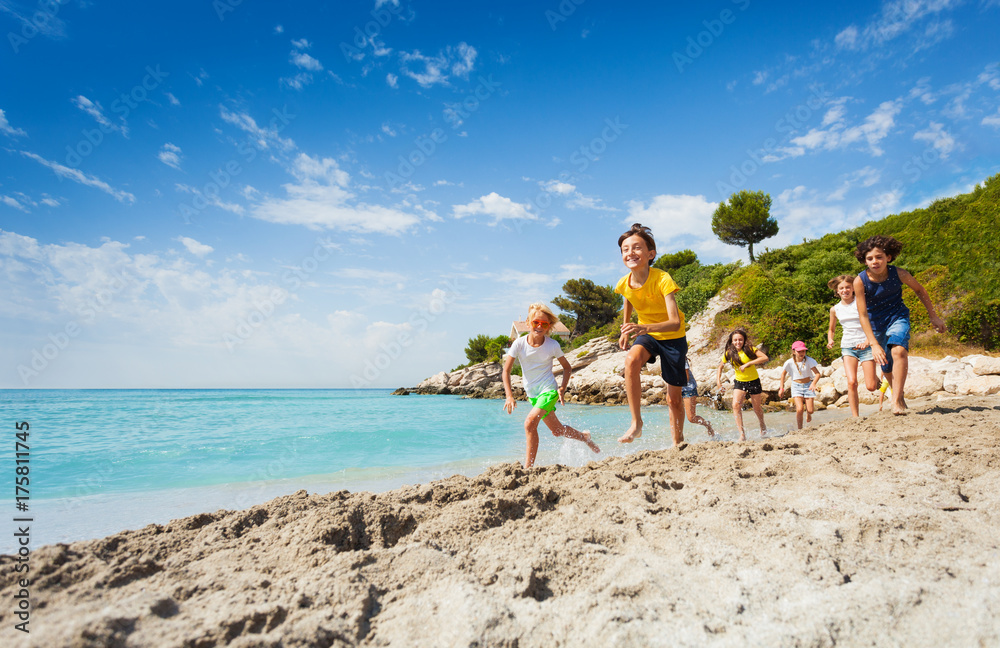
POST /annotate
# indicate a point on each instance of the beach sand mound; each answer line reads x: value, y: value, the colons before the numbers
x: 884, y: 530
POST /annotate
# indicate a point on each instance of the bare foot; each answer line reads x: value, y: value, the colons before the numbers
x: 743, y: 436
x: 898, y: 409
x: 763, y: 432
x: 590, y: 444
x: 633, y: 433
x: 711, y: 432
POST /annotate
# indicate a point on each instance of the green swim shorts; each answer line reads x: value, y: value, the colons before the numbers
x: 546, y: 401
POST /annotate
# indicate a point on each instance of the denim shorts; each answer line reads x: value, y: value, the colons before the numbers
x: 671, y: 354
x: 802, y: 390
x: 862, y: 355
x: 898, y: 334
x: 690, y: 389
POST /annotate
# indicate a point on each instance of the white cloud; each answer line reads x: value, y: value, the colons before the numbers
x: 82, y: 178
x: 497, y: 206
x: 279, y: 29
x: 873, y: 130
x: 263, y: 137
x: 306, y: 62
x: 174, y: 101
x: 51, y: 202
x: 459, y: 61
x: 392, y: 80
x: 211, y: 199
x: 558, y: 187
x: 897, y: 17
x: 320, y: 199
x: 301, y: 43
x: 96, y: 111
x: 170, y: 155
x: 936, y: 136
x: 194, y: 247
x: 992, y: 120
x: 864, y: 177
x: 297, y: 82
x: 388, y: 129
x: 12, y: 202
x: 670, y: 216
x: 9, y: 130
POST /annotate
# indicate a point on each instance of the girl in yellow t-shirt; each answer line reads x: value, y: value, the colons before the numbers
x: 745, y: 358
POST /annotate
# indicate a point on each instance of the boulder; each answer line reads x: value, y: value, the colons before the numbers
x: 986, y: 366
x: 979, y: 386
x: 920, y: 382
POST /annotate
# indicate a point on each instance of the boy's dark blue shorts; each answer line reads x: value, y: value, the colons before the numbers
x: 671, y: 354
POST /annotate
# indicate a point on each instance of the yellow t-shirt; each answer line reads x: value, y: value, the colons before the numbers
x: 744, y: 376
x: 649, y: 301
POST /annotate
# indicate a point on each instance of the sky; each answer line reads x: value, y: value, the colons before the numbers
x: 237, y: 194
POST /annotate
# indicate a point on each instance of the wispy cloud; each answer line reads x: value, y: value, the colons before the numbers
x: 431, y: 70
x: 896, y: 18
x: 938, y: 137
x: 263, y: 137
x: 674, y: 215
x: 82, y: 178
x: 838, y: 134
x: 12, y: 202
x: 211, y: 198
x: 95, y: 110
x: 9, y: 130
x: 170, y: 155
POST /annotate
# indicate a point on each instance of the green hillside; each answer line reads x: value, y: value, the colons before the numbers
x: 952, y: 247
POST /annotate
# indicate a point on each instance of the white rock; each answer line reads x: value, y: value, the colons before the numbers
x: 986, y: 366
x: 979, y: 386
x: 921, y: 383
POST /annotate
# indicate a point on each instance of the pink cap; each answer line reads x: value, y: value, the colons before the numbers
x: 799, y: 345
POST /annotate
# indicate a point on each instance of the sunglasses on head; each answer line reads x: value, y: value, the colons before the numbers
x: 541, y: 323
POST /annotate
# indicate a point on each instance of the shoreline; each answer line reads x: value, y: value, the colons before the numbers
x: 879, y: 527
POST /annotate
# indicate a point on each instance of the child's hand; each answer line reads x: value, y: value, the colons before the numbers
x: 562, y: 395
x: 509, y: 405
x: 878, y: 353
x: 781, y: 391
x: 623, y: 341
x: 863, y: 345
x: 829, y: 344
x: 938, y: 324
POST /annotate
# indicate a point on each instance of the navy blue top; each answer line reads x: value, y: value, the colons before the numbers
x: 884, y: 300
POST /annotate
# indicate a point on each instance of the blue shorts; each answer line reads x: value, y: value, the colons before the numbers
x: 690, y: 389
x: 898, y: 334
x: 802, y: 390
x: 671, y: 354
x: 862, y: 355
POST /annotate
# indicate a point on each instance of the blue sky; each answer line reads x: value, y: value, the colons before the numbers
x: 246, y: 194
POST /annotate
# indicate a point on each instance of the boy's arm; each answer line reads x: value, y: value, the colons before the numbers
x: 866, y: 324
x: 925, y: 299
x: 626, y: 316
x: 833, y: 327
x: 567, y: 370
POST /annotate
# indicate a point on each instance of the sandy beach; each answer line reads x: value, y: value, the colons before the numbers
x: 876, y: 531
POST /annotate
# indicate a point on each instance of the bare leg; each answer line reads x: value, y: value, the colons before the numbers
x: 634, y: 361
x: 872, y: 382
x: 809, y: 409
x: 738, y: 396
x: 676, y: 404
x: 558, y: 429
x: 689, y: 406
x: 531, y: 436
x: 798, y: 411
x: 851, y: 371
x: 758, y: 409
x: 900, y: 366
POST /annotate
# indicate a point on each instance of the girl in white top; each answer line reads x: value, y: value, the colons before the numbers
x: 854, y: 347
x: 798, y: 368
x: 536, y: 351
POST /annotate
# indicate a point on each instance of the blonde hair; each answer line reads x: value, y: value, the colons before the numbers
x: 834, y: 283
x: 539, y: 307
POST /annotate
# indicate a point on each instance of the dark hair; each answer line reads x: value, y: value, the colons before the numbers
x: 834, y: 283
x: 732, y: 355
x: 642, y: 232
x: 887, y: 244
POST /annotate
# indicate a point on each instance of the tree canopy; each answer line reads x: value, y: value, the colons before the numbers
x: 591, y: 304
x: 484, y: 348
x: 745, y: 219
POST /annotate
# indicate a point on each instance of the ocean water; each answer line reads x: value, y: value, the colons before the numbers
x: 102, y: 461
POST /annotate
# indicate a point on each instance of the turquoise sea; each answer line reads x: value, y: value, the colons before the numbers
x: 106, y: 460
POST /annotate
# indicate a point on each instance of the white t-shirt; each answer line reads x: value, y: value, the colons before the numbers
x: 536, y: 364
x: 800, y: 370
x: 850, y: 321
